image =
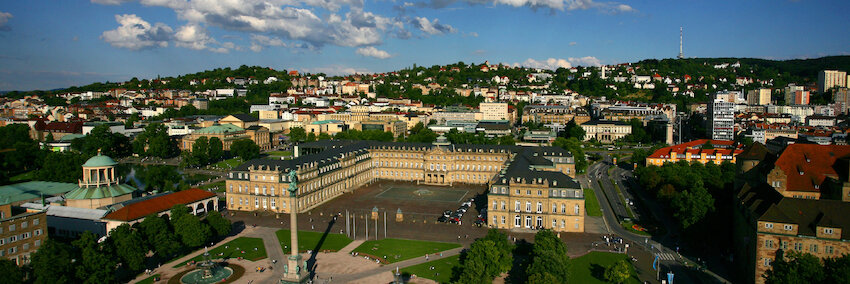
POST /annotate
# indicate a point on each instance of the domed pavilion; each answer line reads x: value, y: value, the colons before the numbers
x: 100, y: 185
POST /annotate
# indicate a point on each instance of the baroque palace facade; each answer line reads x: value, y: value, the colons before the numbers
x: 533, y: 177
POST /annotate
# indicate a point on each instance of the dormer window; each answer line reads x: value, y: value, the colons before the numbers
x: 828, y: 231
x: 788, y: 227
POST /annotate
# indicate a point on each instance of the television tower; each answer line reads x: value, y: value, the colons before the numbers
x: 681, y: 53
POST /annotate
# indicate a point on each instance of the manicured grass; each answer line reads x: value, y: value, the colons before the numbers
x: 590, y: 268
x: 148, y: 280
x: 443, y: 267
x: 280, y: 153
x: 591, y: 204
x: 229, y: 163
x: 234, y: 249
x: 628, y: 226
x: 219, y: 185
x: 397, y: 250
x: 309, y: 240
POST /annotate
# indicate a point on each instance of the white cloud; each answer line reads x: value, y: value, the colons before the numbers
x: 110, y: 2
x: 4, y: 18
x: 572, y: 43
x: 585, y: 61
x: 258, y: 42
x: 371, y: 51
x: 135, y: 33
x: 432, y: 27
x: 555, y: 63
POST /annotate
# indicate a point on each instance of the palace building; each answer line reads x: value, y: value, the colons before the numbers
x: 328, y: 169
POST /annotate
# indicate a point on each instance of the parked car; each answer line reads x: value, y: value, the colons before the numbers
x: 443, y: 219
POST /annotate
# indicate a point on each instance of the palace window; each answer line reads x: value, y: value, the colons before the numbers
x: 813, y: 248
x: 564, y: 208
x: 516, y: 206
x: 256, y: 202
x: 273, y: 203
x: 768, y: 243
x: 554, y: 208
x: 517, y: 221
x: 576, y: 209
x: 798, y: 246
x: 539, y: 207
x: 495, y: 205
x: 502, y: 204
x: 527, y: 206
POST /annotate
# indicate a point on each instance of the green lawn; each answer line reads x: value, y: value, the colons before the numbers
x: 442, y: 266
x: 148, y: 280
x: 309, y: 240
x: 229, y: 163
x: 218, y: 184
x: 628, y: 226
x: 591, y: 204
x: 397, y: 250
x: 280, y: 153
x: 590, y: 268
x: 241, y: 247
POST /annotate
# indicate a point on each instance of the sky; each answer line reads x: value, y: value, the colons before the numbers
x: 55, y: 44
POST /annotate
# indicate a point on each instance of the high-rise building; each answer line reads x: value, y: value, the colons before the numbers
x: 758, y: 97
x: 796, y: 95
x: 842, y: 100
x: 721, y: 117
x: 831, y: 78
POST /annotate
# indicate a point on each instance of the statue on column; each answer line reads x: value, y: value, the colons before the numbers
x: 293, y: 182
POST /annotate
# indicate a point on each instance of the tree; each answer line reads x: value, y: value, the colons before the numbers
x: 618, y: 272
x: 155, y: 142
x: 573, y: 130
x: 692, y: 205
x: 837, y: 270
x: 218, y: 223
x: 61, y: 167
x: 245, y: 149
x: 297, y: 134
x: 420, y: 133
x: 159, y: 236
x: 216, y: 150
x: 12, y: 273
x: 795, y: 268
x: 477, y: 263
x: 128, y: 246
x: 51, y: 263
x: 193, y: 233
x: 94, y: 265
x: 200, y: 150
x: 324, y: 136
x: 101, y: 139
x: 178, y: 211
x: 549, y: 256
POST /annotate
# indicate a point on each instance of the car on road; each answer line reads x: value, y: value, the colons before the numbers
x: 443, y: 219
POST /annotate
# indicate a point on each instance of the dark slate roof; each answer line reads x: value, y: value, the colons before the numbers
x: 525, y: 157
x: 246, y: 117
x: 598, y: 122
x: 810, y: 213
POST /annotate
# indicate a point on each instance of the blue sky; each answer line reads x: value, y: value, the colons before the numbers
x: 52, y: 44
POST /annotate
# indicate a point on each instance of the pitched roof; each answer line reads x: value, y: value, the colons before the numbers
x: 809, y: 214
x: 244, y: 117
x: 695, y: 148
x: 33, y: 190
x: 100, y: 192
x: 158, y: 204
x: 807, y: 165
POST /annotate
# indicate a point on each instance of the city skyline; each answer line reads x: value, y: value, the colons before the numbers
x: 115, y: 40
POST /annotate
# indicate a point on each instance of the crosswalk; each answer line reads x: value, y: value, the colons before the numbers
x: 667, y: 256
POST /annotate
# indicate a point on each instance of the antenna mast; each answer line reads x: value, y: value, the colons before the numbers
x: 681, y: 53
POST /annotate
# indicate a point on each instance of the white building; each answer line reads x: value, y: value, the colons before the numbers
x: 721, y: 118
x: 831, y: 78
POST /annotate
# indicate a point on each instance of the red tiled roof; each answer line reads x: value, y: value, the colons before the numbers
x: 158, y: 204
x: 814, y: 161
x: 695, y: 148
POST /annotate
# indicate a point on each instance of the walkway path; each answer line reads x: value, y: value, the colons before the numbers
x: 345, y: 278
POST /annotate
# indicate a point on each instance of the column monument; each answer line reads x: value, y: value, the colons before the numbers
x: 295, y: 270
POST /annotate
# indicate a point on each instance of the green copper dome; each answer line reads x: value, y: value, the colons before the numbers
x: 99, y: 161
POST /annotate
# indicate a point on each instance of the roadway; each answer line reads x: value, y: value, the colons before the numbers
x: 614, y: 210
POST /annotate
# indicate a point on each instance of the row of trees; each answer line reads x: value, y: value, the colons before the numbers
x: 796, y: 267
x: 124, y: 253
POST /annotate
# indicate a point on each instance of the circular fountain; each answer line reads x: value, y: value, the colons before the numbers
x: 423, y: 192
x: 207, y: 272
